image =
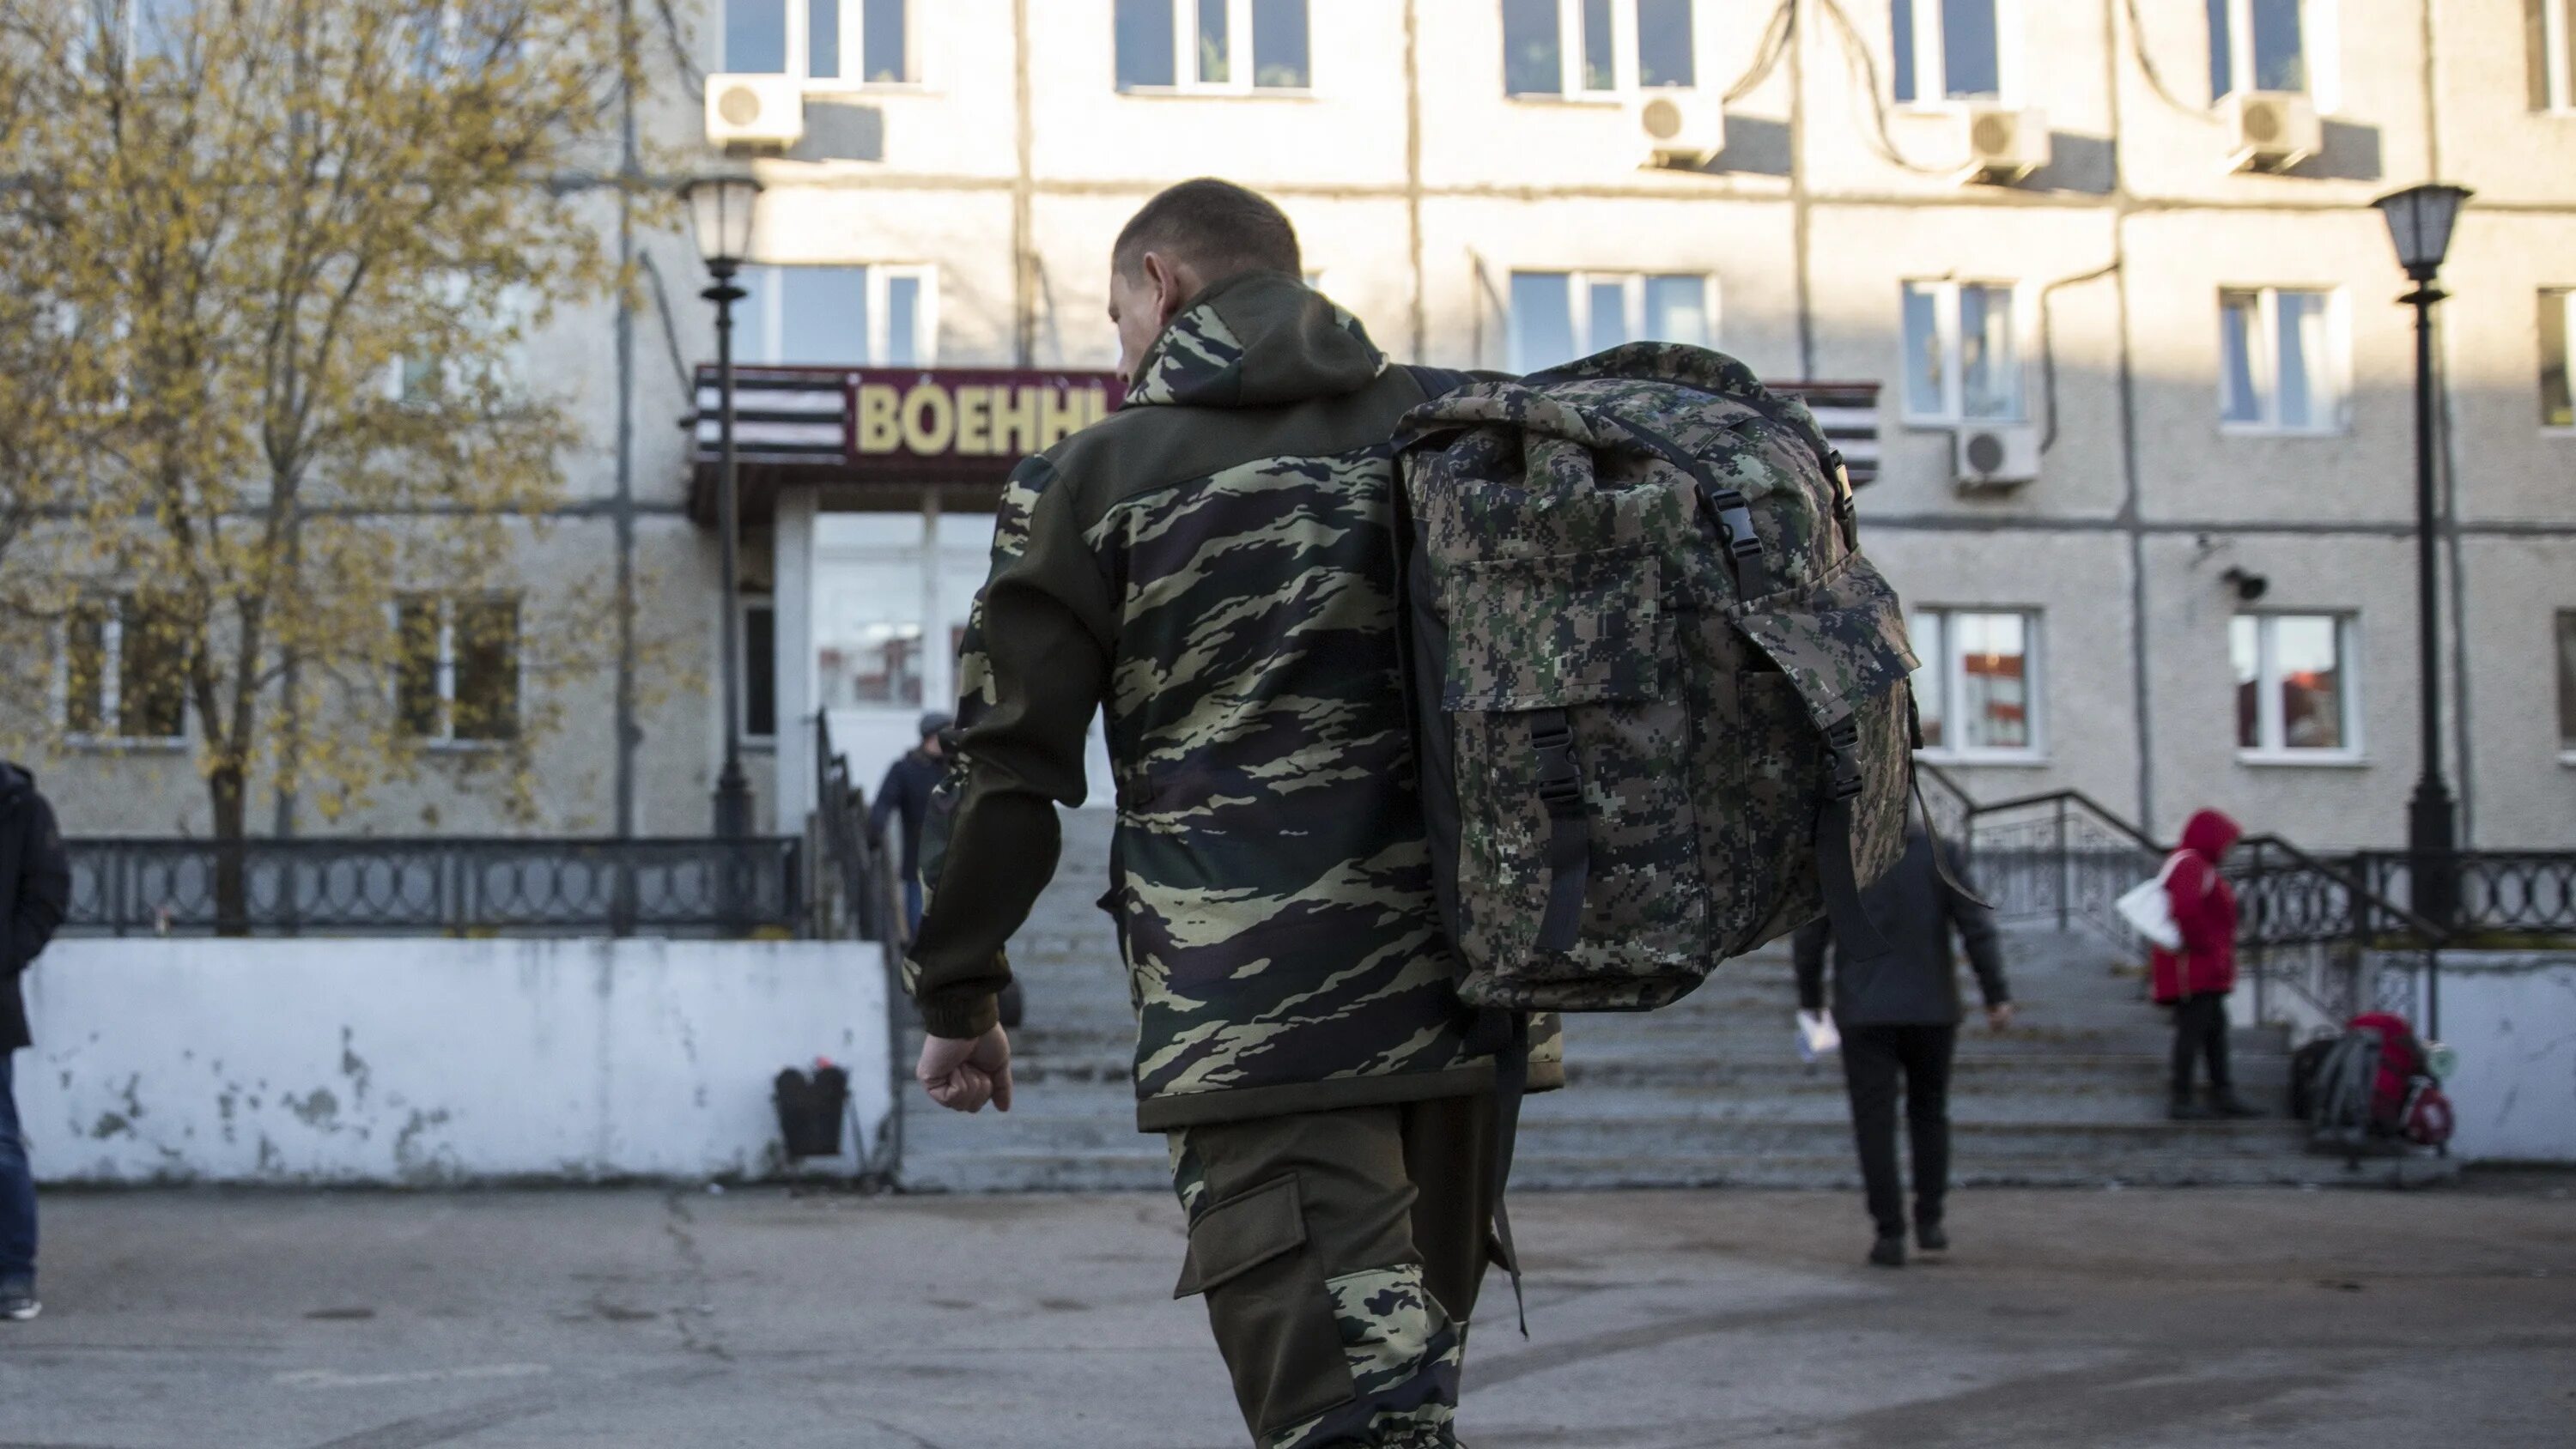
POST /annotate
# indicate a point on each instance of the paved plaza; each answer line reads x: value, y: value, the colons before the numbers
x: 644, y: 1318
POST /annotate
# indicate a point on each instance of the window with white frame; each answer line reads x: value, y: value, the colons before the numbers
x: 2567, y: 684
x: 1597, y: 47
x: 830, y: 42
x: 124, y: 673
x: 1949, y: 49
x: 1560, y: 316
x: 2557, y: 323
x: 2258, y: 45
x: 2294, y: 685
x: 2549, y: 51
x: 2281, y: 360
x: 878, y: 316
x: 1962, y: 352
x: 494, y: 320
x: 1213, y: 45
x: 456, y: 669
x: 1977, y: 688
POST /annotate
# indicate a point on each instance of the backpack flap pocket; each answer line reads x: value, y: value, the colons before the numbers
x: 1841, y: 647
x: 1576, y: 873
x: 1544, y: 633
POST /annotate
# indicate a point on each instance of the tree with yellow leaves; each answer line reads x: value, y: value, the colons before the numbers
x: 265, y: 269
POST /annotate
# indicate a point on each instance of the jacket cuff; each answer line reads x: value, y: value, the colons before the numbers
x: 961, y: 1018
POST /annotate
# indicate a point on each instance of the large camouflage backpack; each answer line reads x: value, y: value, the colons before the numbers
x: 1661, y: 701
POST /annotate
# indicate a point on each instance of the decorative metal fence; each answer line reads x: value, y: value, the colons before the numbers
x: 2319, y: 940
x: 446, y: 885
x: 2528, y: 893
x: 2322, y: 943
x: 2058, y: 858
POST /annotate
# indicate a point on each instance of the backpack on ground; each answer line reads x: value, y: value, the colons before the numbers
x: 2341, y: 1092
x: 2375, y: 1086
x: 1661, y: 701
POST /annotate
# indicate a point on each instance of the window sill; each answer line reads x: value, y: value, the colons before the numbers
x: 2269, y: 430
x: 464, y: 747
x: 2562, y: 432
x: 125, y: 745
x: 1584, y: 100
x: 1219, y: 93
x: 2306, y: 759
x: 1977, y: 759
x: 828, y: 89
x: 2567, y: 758
x: 1931, y: 424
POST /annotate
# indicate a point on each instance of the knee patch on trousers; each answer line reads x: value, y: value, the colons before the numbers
x: 1269, y: 1304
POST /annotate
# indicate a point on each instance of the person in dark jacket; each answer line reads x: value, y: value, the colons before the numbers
x: 2196, y: 980
x: 1899, y: 1016
x: 905, y: 791
x: 35, y: 890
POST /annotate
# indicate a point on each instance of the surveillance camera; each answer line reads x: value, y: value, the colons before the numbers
x: 2249, y: 586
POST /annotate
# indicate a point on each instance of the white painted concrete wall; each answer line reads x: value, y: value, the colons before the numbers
x: 422, y: 1062
x: 2512, y: 1016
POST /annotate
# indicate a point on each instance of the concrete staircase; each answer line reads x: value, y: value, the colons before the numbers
x: 1707, y: 1092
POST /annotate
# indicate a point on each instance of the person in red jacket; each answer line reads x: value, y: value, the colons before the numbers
x: 2195, y: 980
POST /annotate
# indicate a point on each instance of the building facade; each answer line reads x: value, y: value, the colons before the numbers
x: 2143, y: 395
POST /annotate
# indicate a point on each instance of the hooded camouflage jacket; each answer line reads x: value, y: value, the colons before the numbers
x: 1213, y: 562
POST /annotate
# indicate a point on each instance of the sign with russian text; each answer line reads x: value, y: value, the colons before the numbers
x: 954, y: 415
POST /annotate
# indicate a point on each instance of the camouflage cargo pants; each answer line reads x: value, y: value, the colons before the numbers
x: 1340, y: 1253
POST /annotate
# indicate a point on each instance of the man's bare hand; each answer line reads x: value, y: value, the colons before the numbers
x: 1999, y: 1015
x: 963, y: 1075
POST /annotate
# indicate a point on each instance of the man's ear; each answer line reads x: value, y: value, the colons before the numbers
x: 1170, y: 287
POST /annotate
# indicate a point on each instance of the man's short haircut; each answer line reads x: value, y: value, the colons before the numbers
x: 1212, y: 226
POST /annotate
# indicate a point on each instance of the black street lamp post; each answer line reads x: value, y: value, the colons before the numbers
x: 720, y: 214
x: 2420, y: 219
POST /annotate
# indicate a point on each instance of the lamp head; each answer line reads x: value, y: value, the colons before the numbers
x: 720, y: 218
x: 2249, y: 586
x: 2420, y: 219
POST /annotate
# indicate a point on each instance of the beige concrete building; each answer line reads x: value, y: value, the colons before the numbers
x: 2113, y: 262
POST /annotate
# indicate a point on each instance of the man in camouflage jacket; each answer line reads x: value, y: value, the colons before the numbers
x: 1213, y: 562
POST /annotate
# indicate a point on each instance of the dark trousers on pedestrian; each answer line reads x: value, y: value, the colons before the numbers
x: 2200, y: 1031
x: 1341, y: 1253
x: 17, y: 1190
x: 1875, y: 1060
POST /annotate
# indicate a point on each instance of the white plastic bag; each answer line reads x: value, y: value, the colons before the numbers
x: 1817, y: 1036
x: 2149, y: 908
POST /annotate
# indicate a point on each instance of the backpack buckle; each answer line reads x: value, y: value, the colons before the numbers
x: 1844, y: 736
x: 1560, y: 784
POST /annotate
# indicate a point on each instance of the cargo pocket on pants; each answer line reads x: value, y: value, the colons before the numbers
x: 1270, y: 1307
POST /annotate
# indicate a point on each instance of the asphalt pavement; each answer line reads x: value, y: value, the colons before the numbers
x: 642, y: 1318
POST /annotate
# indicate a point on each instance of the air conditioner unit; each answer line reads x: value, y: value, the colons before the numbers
x: 2271, y: 130
x: 754, y: 112
x: 1679, y: 127
x: 2004, y: 143
x: 1995, y: 455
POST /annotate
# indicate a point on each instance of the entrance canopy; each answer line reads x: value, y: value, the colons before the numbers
x: 873, y: 438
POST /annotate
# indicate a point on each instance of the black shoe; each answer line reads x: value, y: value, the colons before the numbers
x: 2225, y: 1103
x: 1888, y: 1251
x: 18, y: 1302
x: 2184, y: 1109
x: 1931, y: 1238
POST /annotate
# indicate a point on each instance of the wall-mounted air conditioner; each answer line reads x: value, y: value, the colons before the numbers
x: 2004, y: 143
x: 1995, y: 455
x: 754, y: 112
x: 2271, y: 130
x: 1677, y: 127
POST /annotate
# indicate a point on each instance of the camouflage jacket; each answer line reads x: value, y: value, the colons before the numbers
x: 1213, y: 562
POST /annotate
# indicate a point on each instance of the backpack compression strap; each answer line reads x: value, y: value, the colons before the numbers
x: 1726, y: 507
x: 1569, y: 835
